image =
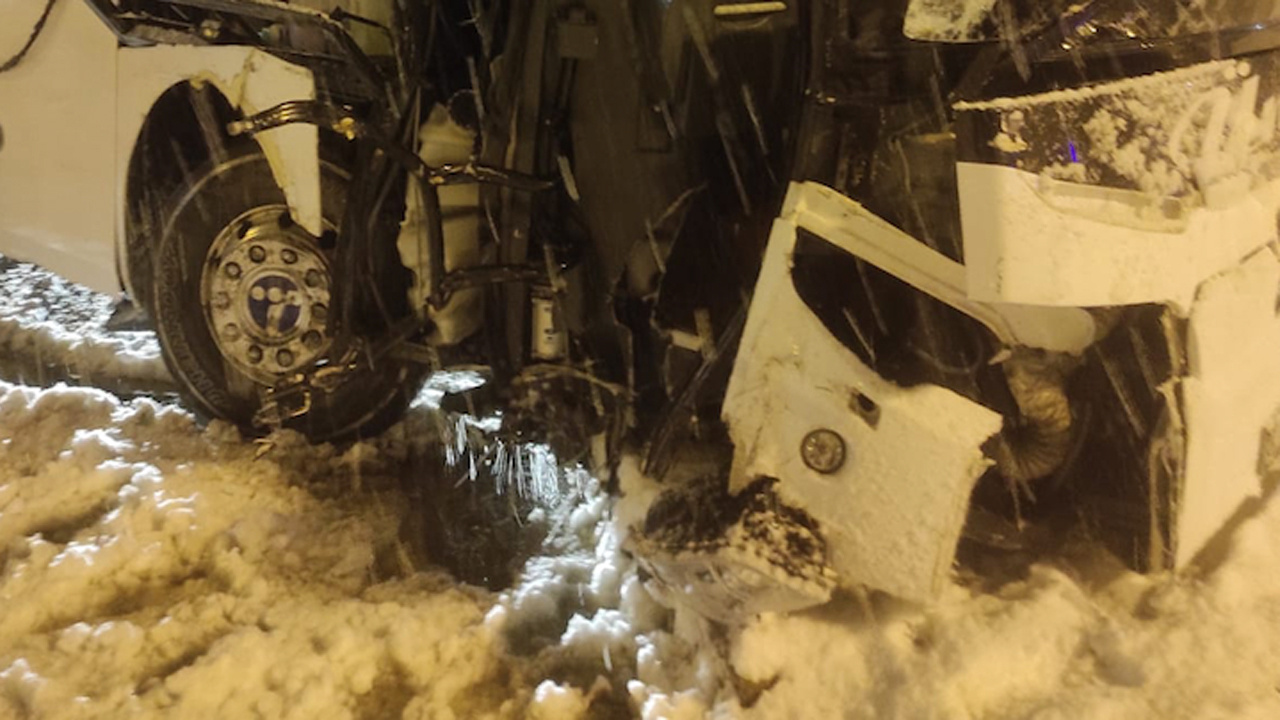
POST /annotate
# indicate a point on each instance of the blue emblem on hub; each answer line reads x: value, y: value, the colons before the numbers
x: 273, y: 304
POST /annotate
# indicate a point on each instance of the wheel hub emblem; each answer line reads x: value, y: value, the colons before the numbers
x: 265, y: 292
x: 274, y: 305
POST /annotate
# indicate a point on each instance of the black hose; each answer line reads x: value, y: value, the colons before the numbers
x: 14, y: 61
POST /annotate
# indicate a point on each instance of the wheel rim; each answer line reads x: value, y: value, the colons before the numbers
x: 265, y: 292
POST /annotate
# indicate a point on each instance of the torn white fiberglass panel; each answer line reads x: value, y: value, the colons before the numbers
x: 1034, y: 240
x: 851, y: 227
x: 892, y: 513
x: 1122, y: 193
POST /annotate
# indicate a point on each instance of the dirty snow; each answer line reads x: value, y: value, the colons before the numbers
x: 152, y: 568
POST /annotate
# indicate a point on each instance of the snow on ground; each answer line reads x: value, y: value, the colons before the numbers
x: 151, y: 568
x: 50, y: 330
x: 154, y: 569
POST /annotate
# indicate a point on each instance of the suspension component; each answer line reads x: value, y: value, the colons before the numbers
x: 547, y: 338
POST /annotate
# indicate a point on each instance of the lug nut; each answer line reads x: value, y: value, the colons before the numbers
x: 289, y: 257
x: 231, y: 332
x: 255, y: 354
x: 257, y: 253
x: 312, y: 278
x: 312, y: 339
x: 221, y: 301
x: 320, y: 313
x: 284, y: 357
x: 232, y: 270
x: 823, y: 451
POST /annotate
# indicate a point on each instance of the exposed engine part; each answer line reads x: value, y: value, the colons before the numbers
x: 729, y: 557
x: 343, y: 121
x: 548, y: 340
x: 444, y: 142
x: 1037, y: 441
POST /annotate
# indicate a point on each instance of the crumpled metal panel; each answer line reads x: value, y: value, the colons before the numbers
x: 1032, y: 239
x: 892, y: 513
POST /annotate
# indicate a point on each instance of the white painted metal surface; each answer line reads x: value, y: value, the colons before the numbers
x: 71, y: 114
x: 893, y: 512
x: 58, y: 159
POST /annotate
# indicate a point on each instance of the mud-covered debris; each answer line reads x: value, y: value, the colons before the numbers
x: 732, y: 556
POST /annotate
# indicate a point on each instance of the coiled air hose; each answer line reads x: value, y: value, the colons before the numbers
x: 1038, y: 441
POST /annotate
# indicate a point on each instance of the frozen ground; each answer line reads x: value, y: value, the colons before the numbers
x: 152, y: 568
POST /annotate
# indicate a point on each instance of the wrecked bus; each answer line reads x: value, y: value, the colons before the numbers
x: 891, y: 277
